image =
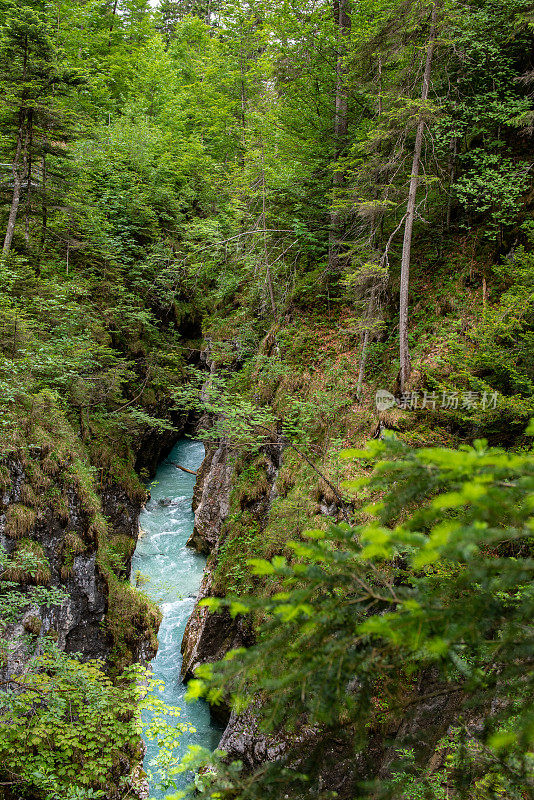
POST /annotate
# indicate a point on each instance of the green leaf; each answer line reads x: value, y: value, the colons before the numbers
x: 260, y: 566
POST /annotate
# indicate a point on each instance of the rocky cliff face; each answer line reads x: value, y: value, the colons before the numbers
x: 48, y: 508
x: 83, y: 532
x: 63, y: 532
x: 207, y: 636
x: 211, y: 500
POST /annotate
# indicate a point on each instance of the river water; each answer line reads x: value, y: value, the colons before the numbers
x: 170, y: 573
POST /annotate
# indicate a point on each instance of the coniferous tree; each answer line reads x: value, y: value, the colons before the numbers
x: 28, y: 72
x: 36, y: 120
x: 171, y: 12
x: 404, y: 354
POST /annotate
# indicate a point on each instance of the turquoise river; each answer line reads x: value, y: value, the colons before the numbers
x: 170, y: 573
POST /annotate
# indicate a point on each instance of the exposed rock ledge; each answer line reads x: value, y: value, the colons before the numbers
x: 244, y: 740
x: 211, y: 500
x: 208, y: 637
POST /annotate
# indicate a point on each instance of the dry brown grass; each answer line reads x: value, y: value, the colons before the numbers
x: 28, y: 497
x: 74, y: 544
x: 50, y: 466
x: 286, y: 480
x: 325, y: 492
x: 5, y: 478
x: 66, y: 571
x: 61, y: 508
x: 97, y: 528
x: 19, y: 521
x: 36, y: 477
x: 253, y: 492
x: 131, y: 616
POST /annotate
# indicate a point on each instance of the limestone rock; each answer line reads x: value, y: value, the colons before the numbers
x: 211, y: 502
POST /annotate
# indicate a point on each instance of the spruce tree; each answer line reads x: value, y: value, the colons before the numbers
x: 34, y: 118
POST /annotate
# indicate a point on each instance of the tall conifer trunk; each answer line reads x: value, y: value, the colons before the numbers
x: 410, y: 210
x: 17, y: 185
x: 29, y: 181
x: 341, y: 120
x: 268, y: 276
x: 21, y: 152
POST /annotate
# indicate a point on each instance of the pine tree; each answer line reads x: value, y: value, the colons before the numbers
x: 34, y: 119
x: 28, y: 75
x: 404, y: 354
x: 171, y: 12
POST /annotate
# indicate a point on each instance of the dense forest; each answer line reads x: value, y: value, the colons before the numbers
x: 301, y: 232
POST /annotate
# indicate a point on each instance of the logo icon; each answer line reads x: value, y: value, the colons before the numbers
x: 384, y: 400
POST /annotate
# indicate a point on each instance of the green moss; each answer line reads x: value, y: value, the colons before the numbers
x: 81, y: 477
x: 111, y: 452
x: 131, y: 617
x: 97, y: 528
x: 241, y: 534
x: 261, y: 530
x: 32, y: 624
x: 73, y: 545
x: 122, y: 547
x: 289, y: 516
x: 252, y: 483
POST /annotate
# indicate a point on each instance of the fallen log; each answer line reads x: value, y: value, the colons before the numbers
x: 179, y: 466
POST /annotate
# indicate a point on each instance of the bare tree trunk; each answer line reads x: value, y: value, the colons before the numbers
x: 452, y: 166
x: 268, y: 278
x: 341, y: 124
x: 184, y: 469
x: 379, y: 86
x: 410, y: 211
x: 17, y: 185
x: 44, y: 214
x: 29, y: 182
x: 341, y: 121
x: 241, y: 245
x: 375, y: 288
x: 243, y: 90
x: 368, y: 321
